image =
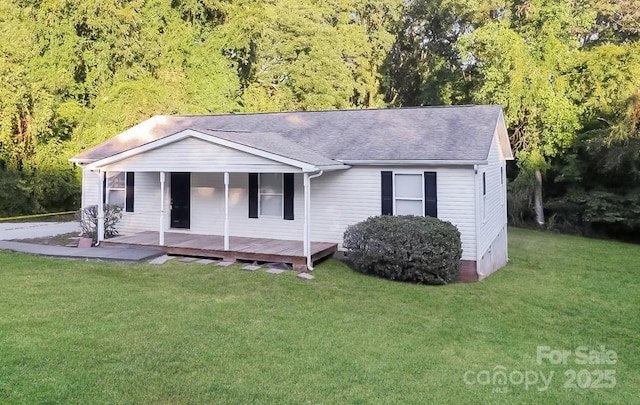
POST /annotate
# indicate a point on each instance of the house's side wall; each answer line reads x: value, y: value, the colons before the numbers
x: 492, y: 234
x: 90, y: 188
x: 196, y: 155
x: 345, y: 197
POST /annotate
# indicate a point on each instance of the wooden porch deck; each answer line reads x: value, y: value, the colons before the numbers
x: 240, y: 248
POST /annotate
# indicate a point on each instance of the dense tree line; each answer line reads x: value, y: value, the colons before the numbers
x: 74, y: 73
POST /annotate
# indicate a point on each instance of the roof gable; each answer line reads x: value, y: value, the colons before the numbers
x: 258, y: 157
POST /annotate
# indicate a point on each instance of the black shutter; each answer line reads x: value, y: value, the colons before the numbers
x: 104, y: 189
x: 130, y: 181
x: 431, y: 194
x: 387, y: 193
x: 484, y: 183
x: 288, y: 195
x: 253, y: 195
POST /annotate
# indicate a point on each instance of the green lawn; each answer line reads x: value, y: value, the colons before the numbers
x: 87, y: 332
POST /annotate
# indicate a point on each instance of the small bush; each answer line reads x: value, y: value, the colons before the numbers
x: 405, y: 248
x: 88, y: 219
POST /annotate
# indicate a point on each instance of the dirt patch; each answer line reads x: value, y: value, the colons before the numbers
x: 66, y: 239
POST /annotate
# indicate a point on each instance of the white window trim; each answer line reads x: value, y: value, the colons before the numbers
x: 260, y: 194
x: 421, y: 199
x: 123, y: 189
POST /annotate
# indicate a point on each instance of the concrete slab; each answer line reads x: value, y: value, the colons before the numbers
x: 122, y: 254
x: 276, y: 271
x: 305, y: 276
x: 187, y: 259
x: 251, y: 267
x: 205, y: 261
x: 85, y: 243
x: 225, y: 264
x: 162, y: 259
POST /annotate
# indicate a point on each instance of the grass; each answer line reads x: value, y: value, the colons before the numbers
x: 89, y: 332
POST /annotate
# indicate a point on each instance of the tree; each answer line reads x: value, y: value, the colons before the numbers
x: 76, y: 73
x: 303, y: 55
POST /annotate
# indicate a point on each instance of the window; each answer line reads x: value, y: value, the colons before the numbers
x: 270, y: 194
x: 116, y: 188
x: 501, y: 185
x: 484, y: 196
x: 408, y: 194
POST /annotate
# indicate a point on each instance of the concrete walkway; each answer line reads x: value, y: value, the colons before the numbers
x: 122, y: 254
x: 29, y: 230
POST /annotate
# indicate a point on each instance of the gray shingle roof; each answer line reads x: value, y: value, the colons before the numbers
x: 273, y: 143
x: 454, y: 133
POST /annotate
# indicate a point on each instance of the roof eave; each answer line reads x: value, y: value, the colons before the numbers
x: 413, y: 162
x: 329, y: 168
x: 81, y: 161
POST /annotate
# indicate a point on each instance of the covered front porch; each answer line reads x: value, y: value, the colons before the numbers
x: 240, y: 248
x: 216, y: 194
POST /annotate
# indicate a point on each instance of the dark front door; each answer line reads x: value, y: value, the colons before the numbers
x: 181, y: 200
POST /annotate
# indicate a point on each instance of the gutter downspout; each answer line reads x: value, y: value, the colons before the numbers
x: 307, y: 216
x: 477, y: 198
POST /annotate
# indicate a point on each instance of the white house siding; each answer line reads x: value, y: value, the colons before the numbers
x: 195, y: 155
x: 146, y: 205
x: 207, y: 203
x: 146, y: 215
x: 345, y: 197
x: 207, y: 208
x: 90, y: 188
x: 339, y: 198
x: 264, y: 227
x: 492, y: 230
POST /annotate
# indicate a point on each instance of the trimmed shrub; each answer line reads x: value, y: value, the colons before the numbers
x: 88, y: 219
x: 424, y: 250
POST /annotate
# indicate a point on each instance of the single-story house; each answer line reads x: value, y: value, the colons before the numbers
x: 306, y: 176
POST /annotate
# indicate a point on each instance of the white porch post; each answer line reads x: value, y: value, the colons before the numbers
x: 226, y: 210
x: 161, y: 229
x: 101, y: 197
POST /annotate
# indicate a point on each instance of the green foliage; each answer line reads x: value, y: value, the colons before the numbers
x: 597, y: 212
x: 520, y: 194
x: 522, y: 61
x: 405, y: 248
x: 594, y: 188
x: 75, y: 73
x: 311, y: 55
x: 16, y: 196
